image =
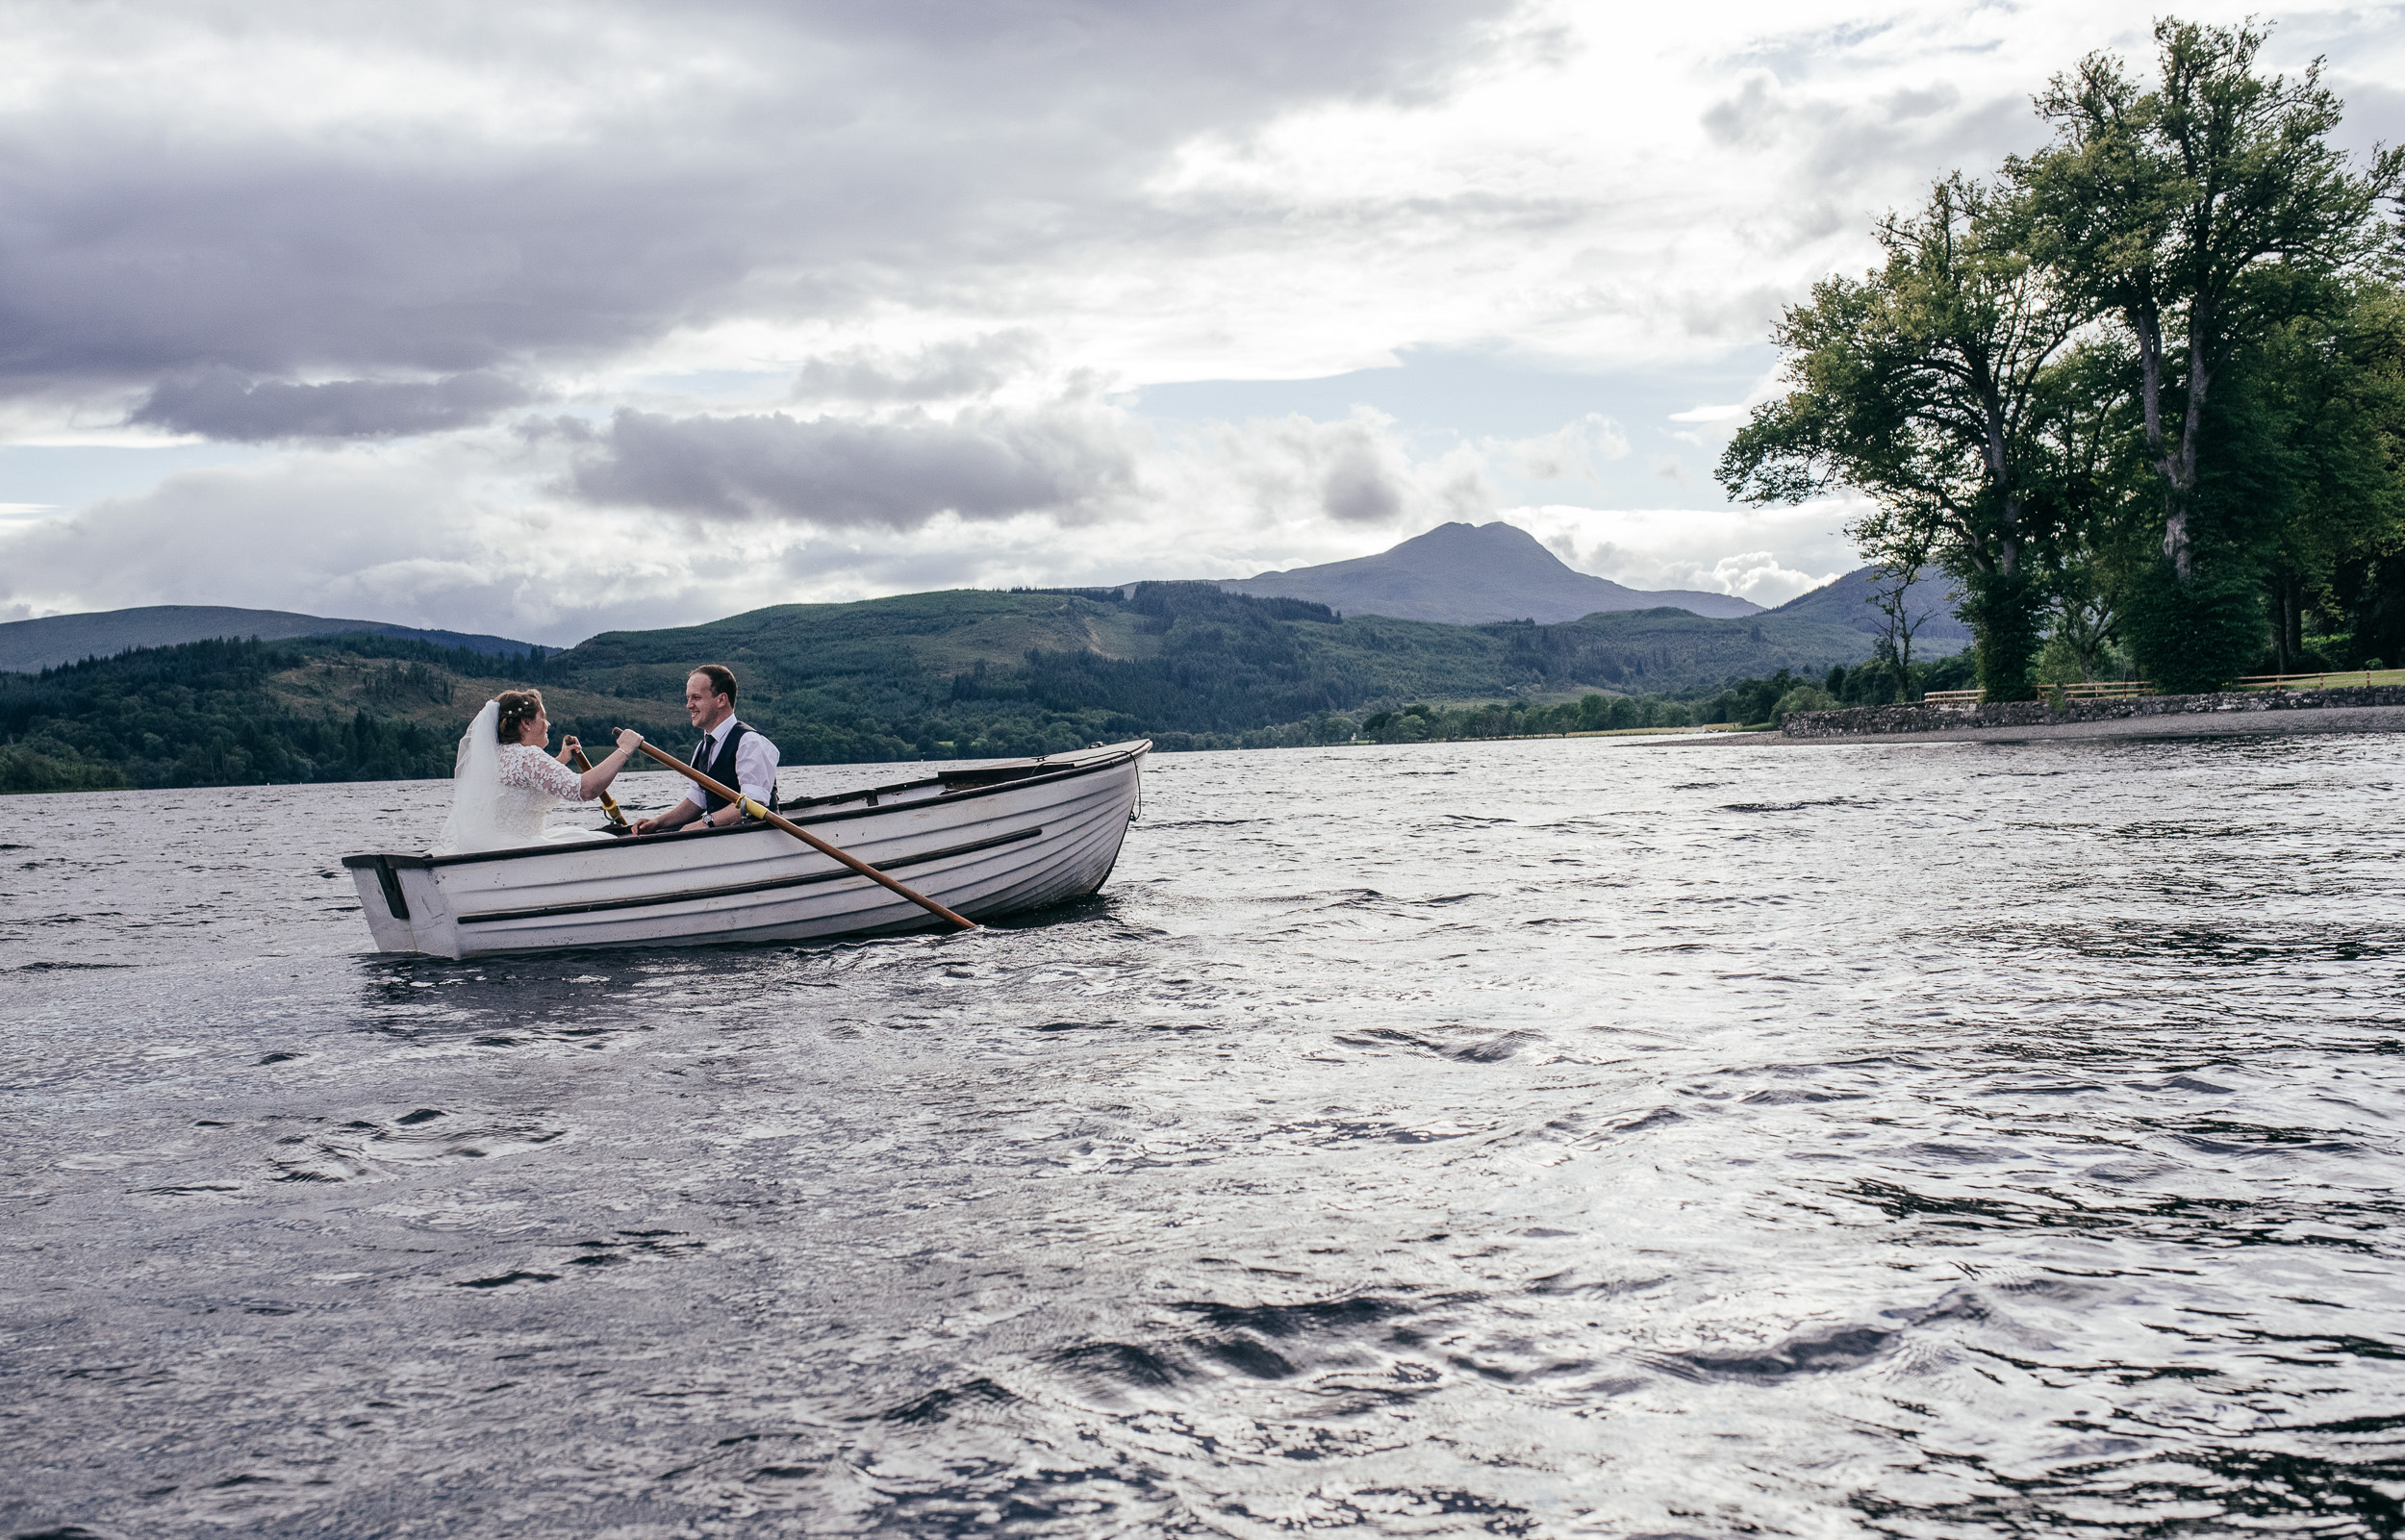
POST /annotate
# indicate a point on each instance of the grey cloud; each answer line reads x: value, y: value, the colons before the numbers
x: 1749, y: 120
x: 222, y: 405
x: 1154, y: 56
x: 1902, y: 104
x: 1355, y: 470
x: 941, y: 372
x: 1745, y: 314
x: 119, y: 261
x: 835, y: 473
x: 1357, y: 490
x: 1836, y: 144
x: 689, y: 164
x: 2375, y: 115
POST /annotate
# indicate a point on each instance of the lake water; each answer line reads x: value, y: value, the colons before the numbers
x: 1572, y: 1137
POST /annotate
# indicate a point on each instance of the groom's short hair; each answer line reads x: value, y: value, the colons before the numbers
x: 721, y: 679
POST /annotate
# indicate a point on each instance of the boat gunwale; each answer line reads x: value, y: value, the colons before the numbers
x: 418, y: 862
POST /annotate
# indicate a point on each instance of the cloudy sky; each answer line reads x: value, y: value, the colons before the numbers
x: 544, y: 319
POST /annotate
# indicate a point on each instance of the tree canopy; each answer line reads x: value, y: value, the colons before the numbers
x: 2140, y: 391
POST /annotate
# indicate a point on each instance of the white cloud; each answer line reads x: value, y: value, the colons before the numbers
x: 1730, y: 413
x: 1758, y: 576
x: 1786, y: 551
x: 1725, y: 416
x: 1570, y: 452
x: 383, y: 535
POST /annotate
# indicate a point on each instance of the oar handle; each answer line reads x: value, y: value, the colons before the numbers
x: 609, y: 804
x: 755, y: 810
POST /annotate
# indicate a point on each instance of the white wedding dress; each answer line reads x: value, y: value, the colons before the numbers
x: 501, y: 793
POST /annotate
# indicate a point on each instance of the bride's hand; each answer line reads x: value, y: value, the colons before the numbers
x: 568, y: 748
x: 629, y: 740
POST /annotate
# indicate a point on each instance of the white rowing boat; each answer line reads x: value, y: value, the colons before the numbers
x: 986, y: 840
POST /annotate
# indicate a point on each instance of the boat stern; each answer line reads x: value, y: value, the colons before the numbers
x: 405, y: 912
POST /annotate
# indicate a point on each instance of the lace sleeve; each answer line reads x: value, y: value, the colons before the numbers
x: 532, y: 770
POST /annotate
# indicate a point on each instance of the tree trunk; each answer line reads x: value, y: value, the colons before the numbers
x: 2149, y: 329
x: 2150, y: 378
x: 2179, y: 465
x: 2176, y: 531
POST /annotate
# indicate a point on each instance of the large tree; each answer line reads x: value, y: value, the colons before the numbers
x: 2313, y: 414
x: 1925, y: 387
x: 2205, y: 215
x: 2094, y: 482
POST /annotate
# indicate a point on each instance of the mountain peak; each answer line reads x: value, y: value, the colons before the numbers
x: 1467, y: 574
x: 1496, y: 538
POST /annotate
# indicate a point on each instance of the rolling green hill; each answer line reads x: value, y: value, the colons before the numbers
x: 1846, y: 601
x: 1199, y: 659
x: 29, y: 646
x: 966, y: 673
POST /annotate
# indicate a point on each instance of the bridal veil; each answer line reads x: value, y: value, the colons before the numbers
x: 475, y: 821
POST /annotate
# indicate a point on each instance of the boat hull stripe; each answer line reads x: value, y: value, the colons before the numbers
x: 731, y: 890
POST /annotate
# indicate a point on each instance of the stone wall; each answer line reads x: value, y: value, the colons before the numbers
x: 1860, y: 722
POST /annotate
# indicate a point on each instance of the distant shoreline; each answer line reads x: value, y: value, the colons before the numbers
x: 2376, y: 708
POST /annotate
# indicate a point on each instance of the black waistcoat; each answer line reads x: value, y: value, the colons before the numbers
x: 722, y: 769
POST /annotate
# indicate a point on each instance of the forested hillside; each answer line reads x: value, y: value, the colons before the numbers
x: 230, y: 713
x: 925, y: 676
x: 1851, y: 600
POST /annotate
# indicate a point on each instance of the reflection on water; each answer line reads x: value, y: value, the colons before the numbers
x: 1546, y: 1138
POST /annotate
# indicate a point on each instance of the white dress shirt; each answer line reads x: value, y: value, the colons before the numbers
x: 756, y: 764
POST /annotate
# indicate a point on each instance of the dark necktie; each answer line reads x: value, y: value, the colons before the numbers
x: 701, y: 752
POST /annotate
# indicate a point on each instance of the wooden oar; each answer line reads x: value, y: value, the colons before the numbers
x: 755, y: 810
x: 618, y: 820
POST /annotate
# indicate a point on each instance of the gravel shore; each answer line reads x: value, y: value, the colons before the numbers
x: 2380, y: 708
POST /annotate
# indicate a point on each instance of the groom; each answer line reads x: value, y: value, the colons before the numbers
x: 730, y: 754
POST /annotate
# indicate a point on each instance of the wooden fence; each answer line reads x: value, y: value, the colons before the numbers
x: 2336, y: 679
x: 2096, y: 690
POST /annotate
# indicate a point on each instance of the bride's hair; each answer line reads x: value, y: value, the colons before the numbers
x: 519, y: 707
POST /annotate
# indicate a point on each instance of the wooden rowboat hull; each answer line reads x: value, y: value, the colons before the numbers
x: 987, y: 841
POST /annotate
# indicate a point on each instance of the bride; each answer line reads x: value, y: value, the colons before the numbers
x: 503, y: 782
